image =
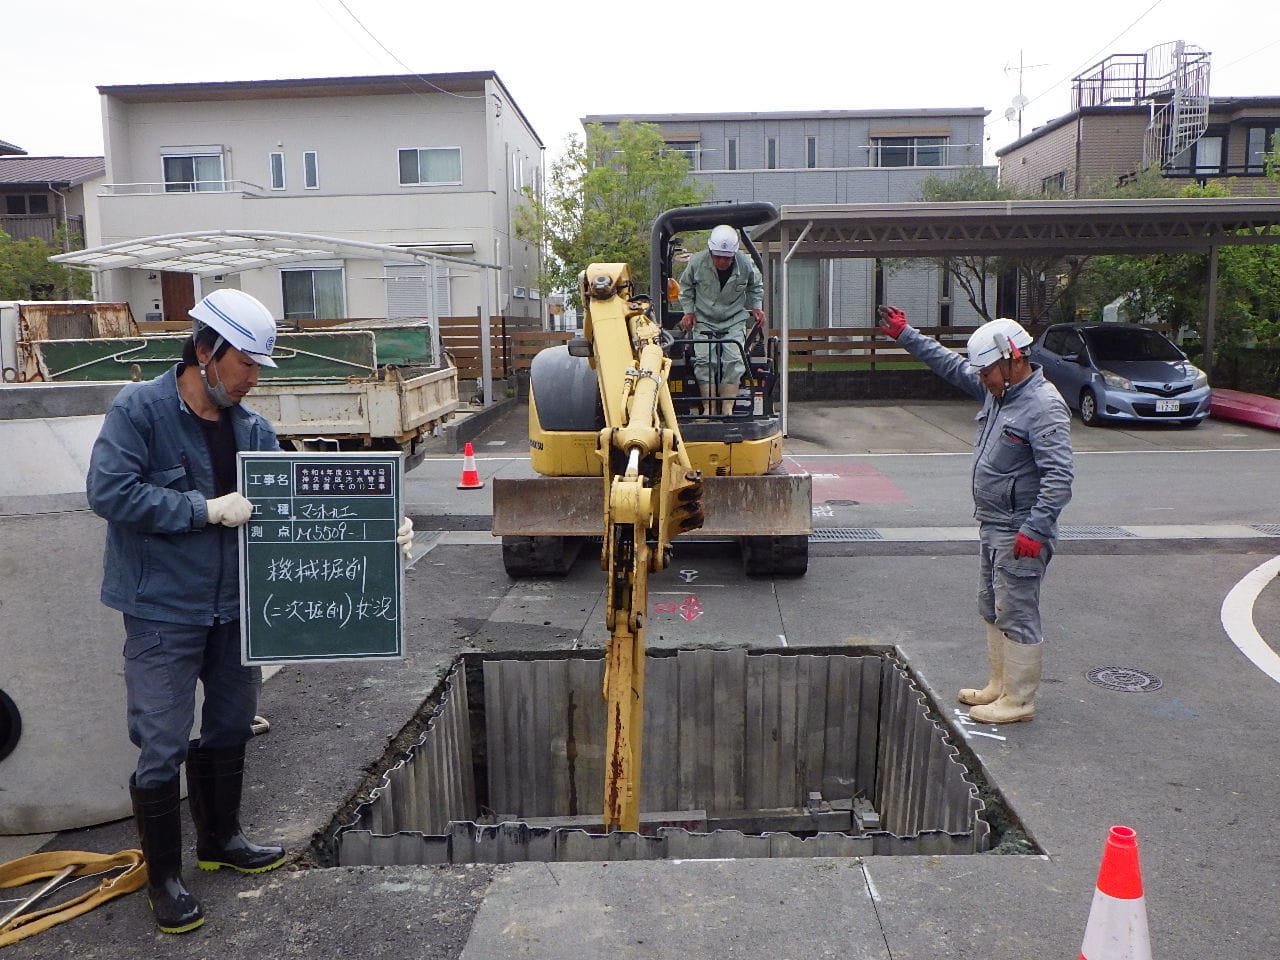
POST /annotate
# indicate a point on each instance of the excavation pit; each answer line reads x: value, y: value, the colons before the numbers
x: 745, y: 754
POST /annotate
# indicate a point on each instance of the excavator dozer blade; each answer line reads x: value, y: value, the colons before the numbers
x: 773, y: 505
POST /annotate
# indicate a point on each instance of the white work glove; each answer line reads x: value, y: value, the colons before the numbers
x: 231, y: 510
x: 404, y: 537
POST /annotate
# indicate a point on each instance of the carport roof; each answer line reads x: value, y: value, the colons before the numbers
x: 232, y: 251
x: 1021, y: 227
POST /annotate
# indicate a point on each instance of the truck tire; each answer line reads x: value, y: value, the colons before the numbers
x: 786, y: 556
x: 539, y: 556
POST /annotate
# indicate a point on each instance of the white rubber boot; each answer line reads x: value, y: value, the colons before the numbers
x: 705, y: 409
x: 995, y: 658
x: 731, y: 392
x: 1023, y: 663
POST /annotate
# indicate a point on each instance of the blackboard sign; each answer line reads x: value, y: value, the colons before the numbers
x: 320, y: 571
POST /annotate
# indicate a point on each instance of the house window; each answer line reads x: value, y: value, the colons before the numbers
x: 27, y: 203
x: 1055, y: 184
x: 687, y: 148
x: 195, y: 173
x: 277, y: 171
x: 312, y: 294
x: 810, y: 152
x: 310, y: 170
x: 1202, y: 159
x: 908, y: 151
x: 1259, y: 142
x: 731, y: 153
x: 420, y: 166
x: 771, y: 153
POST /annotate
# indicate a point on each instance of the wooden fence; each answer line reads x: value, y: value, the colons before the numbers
x: 514, y: 341
x: 812, y: 348
x: 460, y: 337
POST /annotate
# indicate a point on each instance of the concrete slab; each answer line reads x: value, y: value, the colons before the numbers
x: 679, y: 909
x: 63, y: 670
x: 45, y: 457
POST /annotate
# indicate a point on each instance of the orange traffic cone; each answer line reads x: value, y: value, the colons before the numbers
x: 470, y: 476
x: 1117, y: 927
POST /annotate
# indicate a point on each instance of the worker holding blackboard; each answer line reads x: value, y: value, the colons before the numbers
x: 163, y: 474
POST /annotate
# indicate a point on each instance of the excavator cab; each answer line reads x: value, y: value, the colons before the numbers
x: 758, y: 393
x: 746, y: 438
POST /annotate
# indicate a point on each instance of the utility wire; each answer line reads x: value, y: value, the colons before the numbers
x: 1089, y: 62
x: 1248, y: 55
x: 387, y: 50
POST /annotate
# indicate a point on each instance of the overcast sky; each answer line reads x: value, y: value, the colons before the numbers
x: 562, y: 61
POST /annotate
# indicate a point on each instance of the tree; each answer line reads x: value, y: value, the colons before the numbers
x: 27, y: 274
x: 1172, y: 287
x: 601, y: 201
x: 1047, y: 280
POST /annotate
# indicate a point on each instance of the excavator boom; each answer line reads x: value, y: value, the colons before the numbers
x: 651, y: 493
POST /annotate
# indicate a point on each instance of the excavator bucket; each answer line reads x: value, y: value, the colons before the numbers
x: 774, y: 505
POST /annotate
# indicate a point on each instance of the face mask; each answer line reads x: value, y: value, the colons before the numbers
x: 218, y: 394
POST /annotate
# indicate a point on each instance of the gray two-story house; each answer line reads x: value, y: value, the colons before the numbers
x: 834, y: 156
x: 435, y: 163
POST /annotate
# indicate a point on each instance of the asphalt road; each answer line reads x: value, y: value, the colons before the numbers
x: 1193, y: 766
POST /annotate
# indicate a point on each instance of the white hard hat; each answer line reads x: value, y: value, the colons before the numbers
x: 241, y: 320
x: 723, y: 241
x: 996, y: 340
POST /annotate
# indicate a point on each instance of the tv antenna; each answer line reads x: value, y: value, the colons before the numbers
x: 1020, y: 102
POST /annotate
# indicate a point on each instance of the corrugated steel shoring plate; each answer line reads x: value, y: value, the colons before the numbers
x: 725, y: 730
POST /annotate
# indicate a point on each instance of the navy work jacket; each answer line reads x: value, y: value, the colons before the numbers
x: 150, y: 477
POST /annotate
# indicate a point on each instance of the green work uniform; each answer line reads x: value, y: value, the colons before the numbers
x: 722, y: 312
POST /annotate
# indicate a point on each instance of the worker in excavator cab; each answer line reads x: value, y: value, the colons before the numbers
x: 721, y: 293
x: 1022, y: 473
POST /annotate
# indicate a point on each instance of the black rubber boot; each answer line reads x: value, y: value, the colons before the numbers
x: 157, y: 812
x: 214, y: 779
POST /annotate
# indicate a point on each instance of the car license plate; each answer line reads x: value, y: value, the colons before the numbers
x: 1168, y: 406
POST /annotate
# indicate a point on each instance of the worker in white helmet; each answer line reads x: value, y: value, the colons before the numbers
x: 163, y: 476
x: 721, y: 293
x: 1022, y: 474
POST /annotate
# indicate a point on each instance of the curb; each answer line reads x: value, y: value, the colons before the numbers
x: 467, y: 424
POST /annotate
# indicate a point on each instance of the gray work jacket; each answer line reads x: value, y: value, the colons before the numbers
x: 150, y: 477
x: 1022, y: 461
x: 715, y: 306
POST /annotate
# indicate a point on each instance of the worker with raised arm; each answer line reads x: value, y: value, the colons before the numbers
x: 721, y: 293
x: 1022, y: 474
x: 163, y: 475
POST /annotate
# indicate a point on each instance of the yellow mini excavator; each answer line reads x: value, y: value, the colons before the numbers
x: 620, y: 462
x: 573, y: 395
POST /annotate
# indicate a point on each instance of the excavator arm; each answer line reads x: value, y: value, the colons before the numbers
x: 651, y: 495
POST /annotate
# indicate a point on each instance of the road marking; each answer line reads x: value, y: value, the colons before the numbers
x: 1237, y: 618
x: 967, y: 723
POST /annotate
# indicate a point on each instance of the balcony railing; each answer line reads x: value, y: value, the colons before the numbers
x: 182, y: 187
x: 42, y: 227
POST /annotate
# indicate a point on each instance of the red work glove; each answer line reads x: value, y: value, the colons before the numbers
x: 1024, y: 546
x: 892, y: 320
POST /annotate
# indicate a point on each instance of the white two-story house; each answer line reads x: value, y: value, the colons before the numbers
x: 434, y: 163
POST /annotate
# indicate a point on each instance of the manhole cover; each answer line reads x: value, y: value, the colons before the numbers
x: 1124, y: 679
